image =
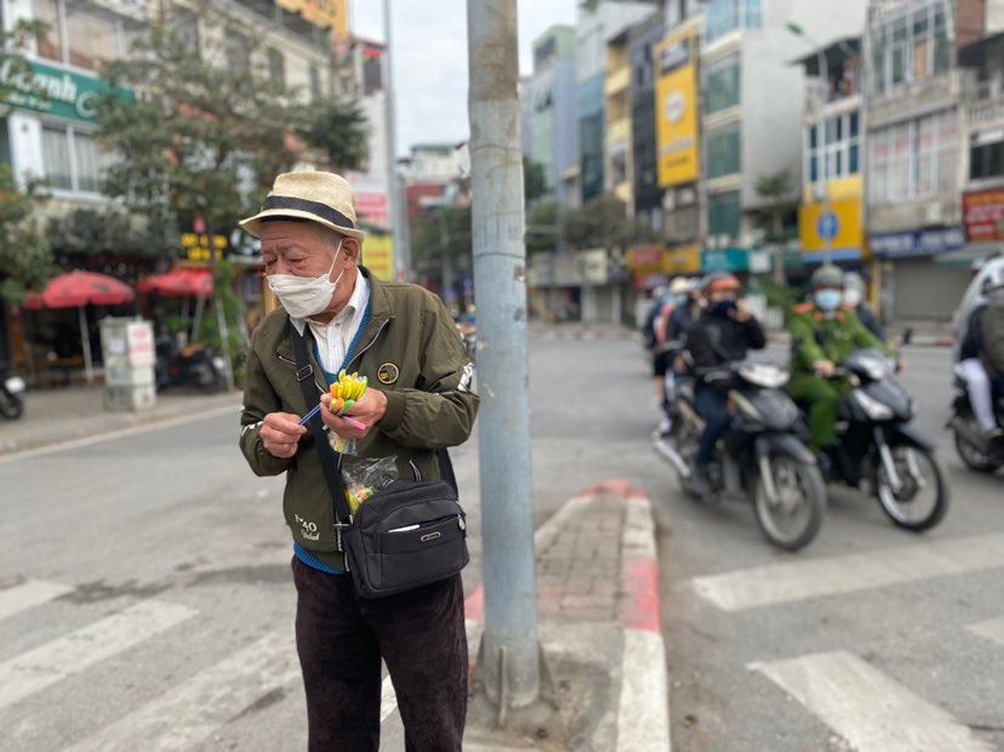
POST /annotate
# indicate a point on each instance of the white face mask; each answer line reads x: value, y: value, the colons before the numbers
x: 303, y: 297
x: 852, y: 297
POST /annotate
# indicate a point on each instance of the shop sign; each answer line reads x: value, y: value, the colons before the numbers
x: 196, y: 246
x: 835, y: 222
x: 594, y: 266
x: 327, y: 14
x: 139, y: 336
x: 682, y: 260
x: 645, y: 259
x: 921, y: 242
x: 724, y: 260
x: 676, y: 108
x: 541, y: 270
x: 66, y: 93
x: 378, y: 256
x: 983, y: 215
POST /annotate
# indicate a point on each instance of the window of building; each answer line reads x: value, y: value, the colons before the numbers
x: 315, y: 83
x: 237, y: 52
x: 986, y: 160
x: 910, y: 45
x: 185, y: 28
x: 92, y: 35
x: 4, y: 142
x: 49, y: 43
x: 72, y: 159
x: 832, y: 148
x: 723, y: 16
x: 722, y: 84
x: 276, y: 67
x: 372, y: 72
x: 914, y: 159
x: 723, y: 151
x: 724, y: 214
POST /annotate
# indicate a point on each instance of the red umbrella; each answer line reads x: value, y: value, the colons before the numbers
x: 75, y: 290
x: 182, y: 281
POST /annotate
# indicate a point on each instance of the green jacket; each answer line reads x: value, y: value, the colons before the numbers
x: 409, y: 349
x: 841, y: 333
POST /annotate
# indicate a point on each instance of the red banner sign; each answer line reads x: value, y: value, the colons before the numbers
x: 983, y: 215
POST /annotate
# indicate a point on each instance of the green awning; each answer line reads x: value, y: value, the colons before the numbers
x: 971, y: 255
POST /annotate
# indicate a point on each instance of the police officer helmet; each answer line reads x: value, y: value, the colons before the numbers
x: 828, y: 276
x: 720, y: 281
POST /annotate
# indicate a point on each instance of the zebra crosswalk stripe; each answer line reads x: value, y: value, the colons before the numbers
x: 191, y: 711
x: 37, y: 669
x: 28, y: 595
x: 871, y: 711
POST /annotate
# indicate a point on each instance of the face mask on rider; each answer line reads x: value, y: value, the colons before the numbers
x: 722, y: 307
x: 303, y: 297
x: 828, y: 300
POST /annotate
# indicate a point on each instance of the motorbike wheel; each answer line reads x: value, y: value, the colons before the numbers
x: 972, y: 457
x: 12, y: 407
x: 793, y: 520
x: 922, y: 499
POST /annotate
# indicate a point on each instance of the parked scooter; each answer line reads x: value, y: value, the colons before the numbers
x: 11, y: 394
x: 974, y: 450
x: 759, y: 458
x: 879, y: 451
x: 193, y: 365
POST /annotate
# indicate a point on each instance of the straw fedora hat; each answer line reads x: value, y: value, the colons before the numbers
x: 322, y: 197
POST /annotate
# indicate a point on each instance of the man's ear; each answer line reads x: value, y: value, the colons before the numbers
x: 350, y: 246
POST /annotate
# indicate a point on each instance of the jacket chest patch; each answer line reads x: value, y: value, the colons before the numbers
x: 388, y: 373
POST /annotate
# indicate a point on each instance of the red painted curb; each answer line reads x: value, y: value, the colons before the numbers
x: 640, y: 608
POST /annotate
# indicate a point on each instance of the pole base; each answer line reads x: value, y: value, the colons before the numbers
x: 546, y: 697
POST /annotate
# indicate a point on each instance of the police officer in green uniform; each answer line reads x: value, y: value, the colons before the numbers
x: 823, y: 334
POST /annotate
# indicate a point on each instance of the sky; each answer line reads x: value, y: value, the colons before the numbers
x: 430, y: 59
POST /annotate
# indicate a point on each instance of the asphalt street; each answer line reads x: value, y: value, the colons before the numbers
x: 145, y: 590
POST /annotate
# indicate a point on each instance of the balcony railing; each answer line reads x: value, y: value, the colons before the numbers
x: 986, y: 104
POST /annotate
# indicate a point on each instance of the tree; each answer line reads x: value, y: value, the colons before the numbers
x: 94, y: 232
x: 338, y: 128
x: 602, y: 222
x: 777, y: 192
x: 534, y: 180
x: 543, y: 226
x: 25, y: 257
x: 441, y: 241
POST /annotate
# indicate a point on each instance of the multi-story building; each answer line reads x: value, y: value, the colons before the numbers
x: 370, y: 182
x: 597, y: 22
x: 915, y: 151
x: 618, y: 157
x: 830, y: 214
x: 752, y: 109
x: 983, y: 139
x: 548, y: 99
x: 646, y: 193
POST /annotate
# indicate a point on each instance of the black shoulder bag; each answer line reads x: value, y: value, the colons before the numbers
x: 410, y: 534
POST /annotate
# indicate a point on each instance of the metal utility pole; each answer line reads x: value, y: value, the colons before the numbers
x: 397, y: 216
x: 510, y: 647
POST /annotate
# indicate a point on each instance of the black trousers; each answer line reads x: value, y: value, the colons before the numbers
x: 340, y: 639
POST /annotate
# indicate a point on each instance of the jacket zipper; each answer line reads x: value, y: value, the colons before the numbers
x: 293, y: 363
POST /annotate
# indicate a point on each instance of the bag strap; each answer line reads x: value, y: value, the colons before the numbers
x: 331, y: 461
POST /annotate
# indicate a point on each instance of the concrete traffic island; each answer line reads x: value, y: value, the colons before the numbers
x: 605, y: 684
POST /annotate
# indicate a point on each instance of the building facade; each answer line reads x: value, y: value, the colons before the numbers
x: 646, y: 193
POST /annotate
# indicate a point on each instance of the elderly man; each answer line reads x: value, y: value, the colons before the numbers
x: 402, y: 339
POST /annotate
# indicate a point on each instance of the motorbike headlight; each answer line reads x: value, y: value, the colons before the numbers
x: 219, y: 362
x: 873, y: 408
x: 765, y: 375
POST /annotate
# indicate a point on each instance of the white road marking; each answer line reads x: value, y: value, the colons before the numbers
x: 187, y: 714
x: 66, y: 446
x: 870, y: 710
x: 642, y: 719
x: 28, y: 595
x: 37, y: 669
x: 992, y: 630
x: 781, y: 583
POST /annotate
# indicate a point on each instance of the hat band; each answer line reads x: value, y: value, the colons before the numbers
x: 314, y: 207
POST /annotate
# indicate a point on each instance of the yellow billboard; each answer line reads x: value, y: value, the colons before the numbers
x: 676, y: 107
x: 838, y: 222
x: 328, y: 14
x: 378, y: 256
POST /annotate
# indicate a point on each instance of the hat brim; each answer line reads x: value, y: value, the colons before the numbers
x: 252, y: 225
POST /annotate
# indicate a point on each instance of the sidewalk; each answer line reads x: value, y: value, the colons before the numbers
x: 56, y: 415
x: 598, y: 606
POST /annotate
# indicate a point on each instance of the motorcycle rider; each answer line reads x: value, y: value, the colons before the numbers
x: 981, y: 357
x: 823, y: 334
x: 725, y: 332
x: 678, y: 323
x: 854, y: 299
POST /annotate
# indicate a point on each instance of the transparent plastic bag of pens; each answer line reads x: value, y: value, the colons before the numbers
x: 363, y: 478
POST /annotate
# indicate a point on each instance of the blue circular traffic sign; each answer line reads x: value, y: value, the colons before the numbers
x: 827, y: 225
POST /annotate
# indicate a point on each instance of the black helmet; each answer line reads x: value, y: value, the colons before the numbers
x: 828, y: 276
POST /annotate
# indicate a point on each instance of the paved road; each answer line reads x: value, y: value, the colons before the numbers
x: 145, y: 587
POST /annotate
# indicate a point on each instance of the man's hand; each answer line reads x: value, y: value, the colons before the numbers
x: 824, y: 367
x: 742, y: 311
x: 280, y: 433
x: 368, y: 411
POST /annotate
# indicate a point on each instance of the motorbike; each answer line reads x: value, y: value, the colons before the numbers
x: 193, y: 365
x: 759, y: 458
x: 973, y: 449
x: 878, y: 450
x: 11, y: 394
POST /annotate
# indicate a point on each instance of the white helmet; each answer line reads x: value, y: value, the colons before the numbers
x: 994, y: 282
